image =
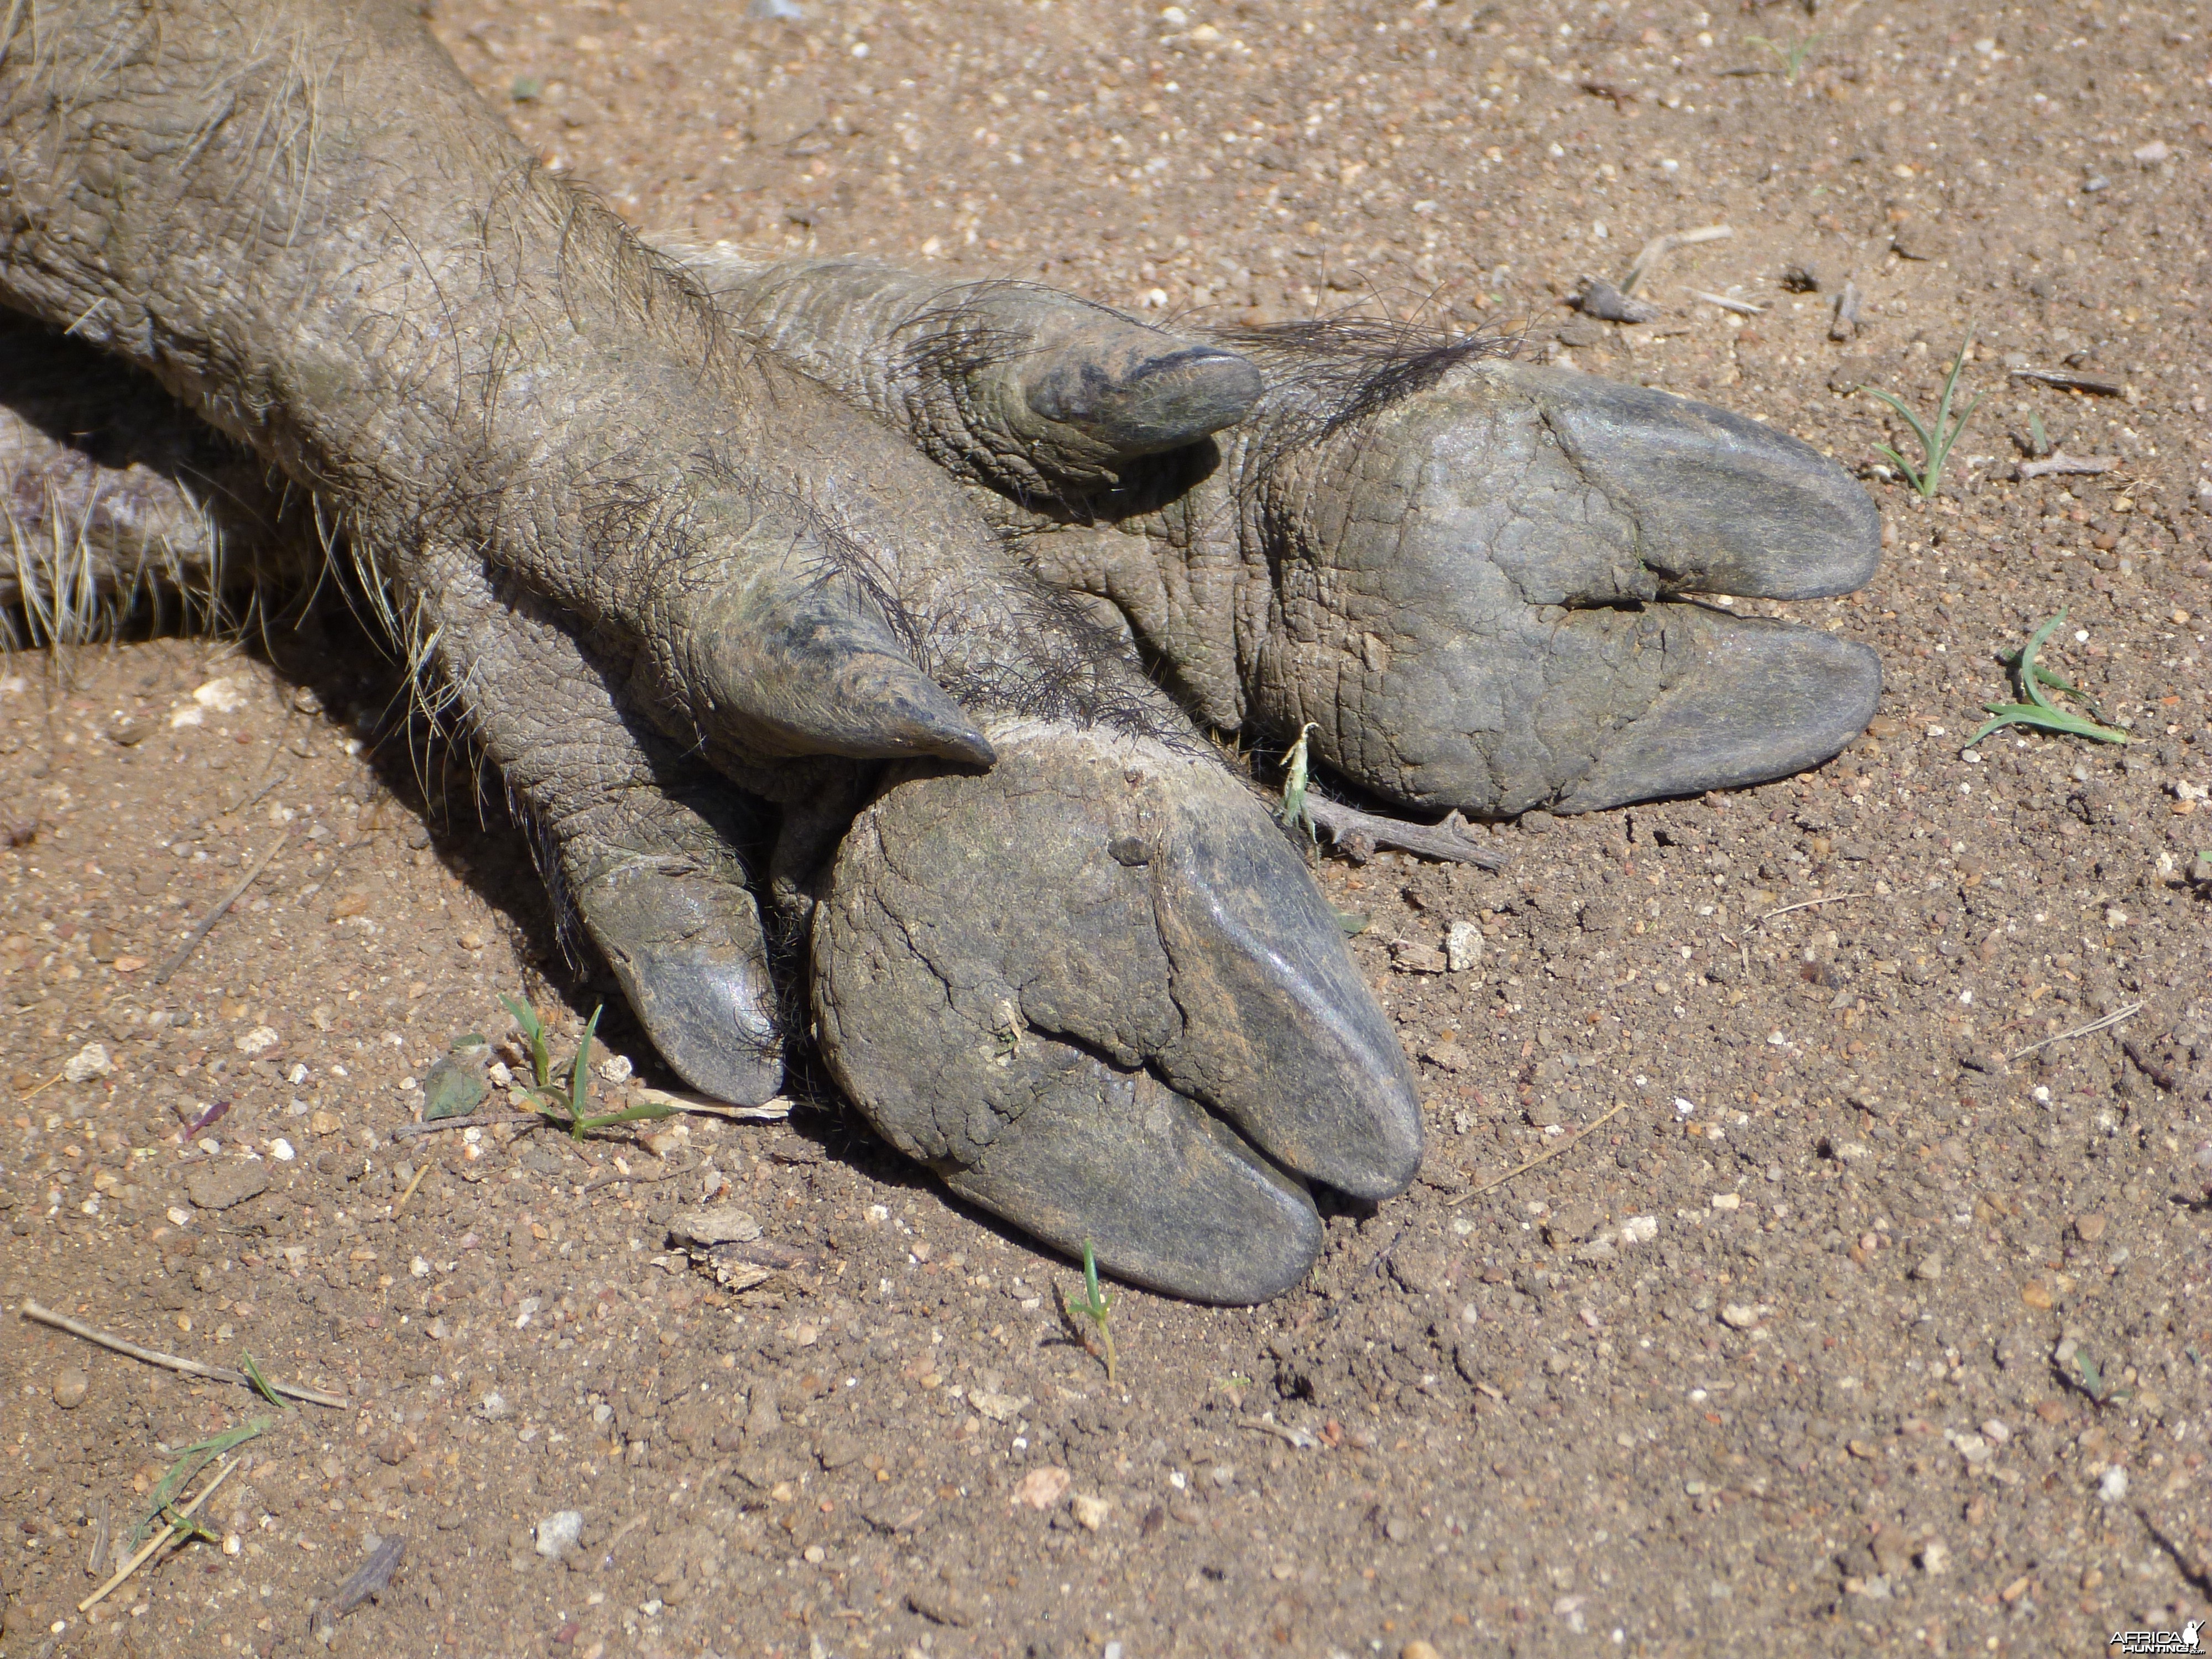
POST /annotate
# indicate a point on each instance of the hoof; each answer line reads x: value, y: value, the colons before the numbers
x: 1478, y: 593
x: 688, y: 953
x: 1097, y: 989
x: 1770, y: 699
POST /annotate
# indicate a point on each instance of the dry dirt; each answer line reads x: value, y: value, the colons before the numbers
x: 1848, y: 1327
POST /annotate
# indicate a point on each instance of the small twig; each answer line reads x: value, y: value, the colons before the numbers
x: 616, y: 1177
x: 262, y: 784
x: 372, y: 1579
x: 183, y: 1512
x: 1659, y: 246
x: 2065, y: 382
x: 47, y: 1084
x: 1541, y: 1157
x: 1741, y: 307
x: 2091, y: 1028
x: 260, y: 794
x: 47, y: 1316
x: 2058, y: 462
x: 1448, y: 841
x: 97, y: 1558
x: 768, y: 1111
x: 1302, y: 1439
x: 773, y: 1110
x: 192, y: 944
x: 476, y: 1121
x: 411, y: 1186
x: 1808, y: 904
x: 2150, y: 1068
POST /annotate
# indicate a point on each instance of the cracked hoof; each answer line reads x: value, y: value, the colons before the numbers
x: 1721, y: 503
x: 1098, y: 991
x: 1511, y: 643
x: 687, y: 951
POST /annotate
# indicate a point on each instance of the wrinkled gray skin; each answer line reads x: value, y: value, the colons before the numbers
x: 888, y: 577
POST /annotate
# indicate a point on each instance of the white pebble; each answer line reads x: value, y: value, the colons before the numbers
x: 281, y: 1149
x: 89, y: 1062
x: 2114, y: 1486
x: 558, y: 1532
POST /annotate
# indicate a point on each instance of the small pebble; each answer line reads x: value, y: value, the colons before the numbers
x: 558, y: 1532
x: 89, y: 1062
x: 1739, y: 1316
x: 70, y: 1388
x: 1419, y: 1650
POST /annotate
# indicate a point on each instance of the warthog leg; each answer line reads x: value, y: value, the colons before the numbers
x: 1485, y: 583
x: 1094, y: 986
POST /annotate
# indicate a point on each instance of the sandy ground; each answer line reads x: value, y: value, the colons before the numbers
x: 1857, y: 1322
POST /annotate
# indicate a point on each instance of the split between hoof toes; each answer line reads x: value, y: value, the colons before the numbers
x: 1097, y: 990
x: 1482, y: 595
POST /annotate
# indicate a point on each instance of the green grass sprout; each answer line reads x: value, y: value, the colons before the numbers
x: 262, y: 1386
x: 533, y: 1031
x: 191, y: 1460
x: 1097, y: 1307
x: 569, y: 1108
x: 1936, y: 445
x: 580, y: 1069
x: 2095, y: 1382
x: 2038, y: 709
x: 1793, y: 57
x: 2039, y: 441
